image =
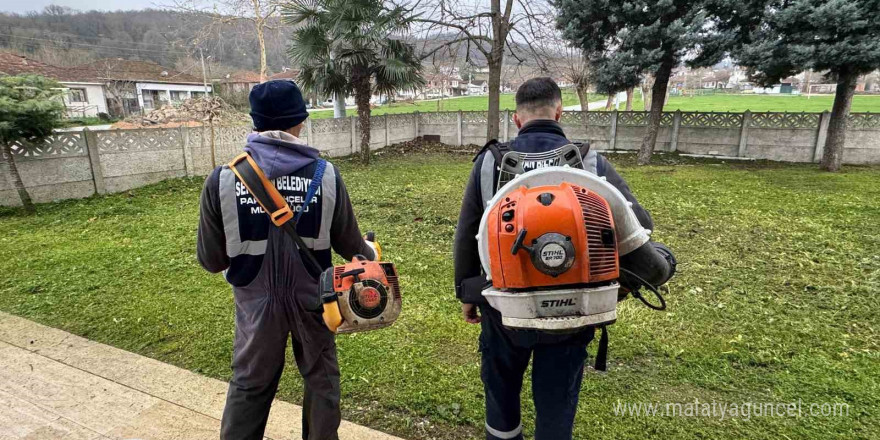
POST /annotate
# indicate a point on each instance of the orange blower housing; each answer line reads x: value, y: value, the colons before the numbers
x: 361, y: 295
x: 550, y: 236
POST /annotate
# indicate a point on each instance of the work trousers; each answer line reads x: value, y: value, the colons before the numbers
x: 557, y: 372
x: 263, y: 322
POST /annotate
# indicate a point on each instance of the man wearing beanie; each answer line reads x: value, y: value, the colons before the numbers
x: 275, y: 292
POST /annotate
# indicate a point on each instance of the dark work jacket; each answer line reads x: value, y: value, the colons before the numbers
x: 535, y: 137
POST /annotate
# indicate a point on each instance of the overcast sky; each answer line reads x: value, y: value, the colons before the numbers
x: 22, y: 6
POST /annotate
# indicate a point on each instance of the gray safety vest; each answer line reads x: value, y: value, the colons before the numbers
x: 246, y: 225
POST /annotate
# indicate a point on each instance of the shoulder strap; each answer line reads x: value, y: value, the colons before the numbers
x: 272, y: 201
x: 498, y: 149
x: 313, y: 187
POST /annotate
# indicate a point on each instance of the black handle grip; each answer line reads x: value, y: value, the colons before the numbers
x: 518, y: 243
x: 353, y: 273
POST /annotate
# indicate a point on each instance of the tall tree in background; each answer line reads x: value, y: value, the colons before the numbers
x: 493, y: 28
x: 259, y: 13
x: 778, y: 38
x: 30, y: 109
x: 653, y: 36
x: 353, y: 45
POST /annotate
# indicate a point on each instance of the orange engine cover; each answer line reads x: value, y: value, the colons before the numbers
x: 584, y: 252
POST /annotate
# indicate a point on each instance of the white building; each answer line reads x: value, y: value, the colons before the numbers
x: 132, y: 86
x: 81, y: 98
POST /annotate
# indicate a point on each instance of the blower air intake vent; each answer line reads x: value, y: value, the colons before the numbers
x: 395, y: 286
x: 597, y: 220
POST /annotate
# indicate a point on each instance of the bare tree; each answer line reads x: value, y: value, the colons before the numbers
x: 259, y: 13
x: 491, y: 28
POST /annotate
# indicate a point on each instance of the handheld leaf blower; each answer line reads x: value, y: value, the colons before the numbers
x: 361, y: 295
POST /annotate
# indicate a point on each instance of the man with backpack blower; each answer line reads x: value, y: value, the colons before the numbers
x: 273, y: 270
x: 559, y: 356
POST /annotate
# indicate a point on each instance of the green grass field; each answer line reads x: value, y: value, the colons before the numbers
x: 763, y: 103
x: 775, y: 299
x: 713, y: 103
x: 466, y: 103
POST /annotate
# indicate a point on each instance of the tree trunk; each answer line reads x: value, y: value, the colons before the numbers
x: 629, y: 99
x: 610, y: 103
x: 362, y: 99
x: 582, y: 97
x: 658, y: 93
x: 262, y: 41
x: 26, y: 201
x: 260, y: 23
x: 495, y: 62
x: 339, y: 105
x: 846, y: 87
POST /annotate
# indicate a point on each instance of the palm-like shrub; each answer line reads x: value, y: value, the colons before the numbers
x: 345, y: 46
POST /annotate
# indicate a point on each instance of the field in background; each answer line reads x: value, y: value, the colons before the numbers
x: 775, y: 299
x: 466, y: 103
x: 763, y: 103
x: 714, y: 103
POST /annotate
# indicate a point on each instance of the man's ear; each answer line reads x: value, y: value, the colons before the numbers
x: 517, y: 121
x: 558, y: 111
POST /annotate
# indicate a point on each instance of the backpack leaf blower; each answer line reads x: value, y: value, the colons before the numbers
x: 551, y: 241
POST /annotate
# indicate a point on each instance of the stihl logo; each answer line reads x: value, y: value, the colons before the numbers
x: 557, y: 302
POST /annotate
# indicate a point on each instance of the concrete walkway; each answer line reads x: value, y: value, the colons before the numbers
x: 55, y: 385
x: 595, y: 105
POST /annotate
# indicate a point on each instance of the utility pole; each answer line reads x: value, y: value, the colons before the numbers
x: 204, y: 73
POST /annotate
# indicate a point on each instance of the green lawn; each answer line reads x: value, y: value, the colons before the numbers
x: 775, y: 300
x: 466, y: 103
x: 713, y: 103
x: 761, y: 103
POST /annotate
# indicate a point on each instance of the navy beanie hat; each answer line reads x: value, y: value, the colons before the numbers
x: 277, y: 105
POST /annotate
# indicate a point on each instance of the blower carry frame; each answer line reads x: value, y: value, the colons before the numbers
x: 359, y: 296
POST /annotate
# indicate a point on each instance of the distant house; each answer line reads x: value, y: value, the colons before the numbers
x: 444, y: 85
x: 478, y: 87
x: 286, y: 73
x: 81, y: 97
x: 237, y: 82
x: 135, y: 86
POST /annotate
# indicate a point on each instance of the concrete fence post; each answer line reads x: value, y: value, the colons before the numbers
x: 460, y: 129
x: 613, y: 141
x: 386, y: 129
x: 417, y: 120
x: 353, y: 135
x: 310, y: 134
x: 186, y: 149
x: 821, y: 136
x: 91, y: 138
x: 506, y: 136
x: 744, y: 133
x: 676, y: 126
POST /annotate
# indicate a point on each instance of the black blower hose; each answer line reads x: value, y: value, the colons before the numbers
x: 635, y: 292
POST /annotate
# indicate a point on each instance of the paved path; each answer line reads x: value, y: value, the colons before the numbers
x: 55, y: 385
x: 595, y: 105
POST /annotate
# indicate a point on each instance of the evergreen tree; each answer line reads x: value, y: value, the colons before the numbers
x: 29, y: 110
x: 648, y: 37
x: 778, y: 38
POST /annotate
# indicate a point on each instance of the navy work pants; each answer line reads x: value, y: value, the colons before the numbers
x: 557, y: 372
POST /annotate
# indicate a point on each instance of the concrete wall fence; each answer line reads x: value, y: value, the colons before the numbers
x: 80, y: 164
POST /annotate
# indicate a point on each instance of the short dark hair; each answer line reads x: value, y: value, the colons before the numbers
x: 537, y: 93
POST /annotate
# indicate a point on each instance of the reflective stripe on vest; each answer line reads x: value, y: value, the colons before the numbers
x: 235, y: 246
x: 489, y: 172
